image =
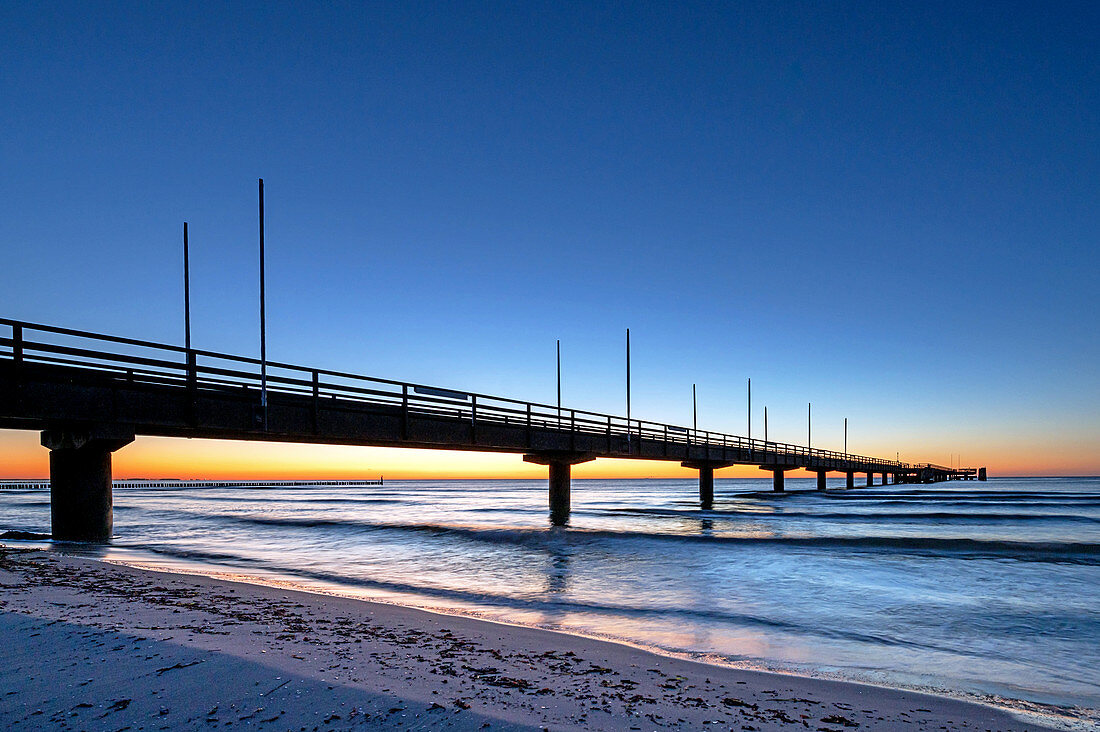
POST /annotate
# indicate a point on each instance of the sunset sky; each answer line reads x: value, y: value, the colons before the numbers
x: 891, y: 211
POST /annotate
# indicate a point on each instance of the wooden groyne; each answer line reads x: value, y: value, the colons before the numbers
x: 43, y: 484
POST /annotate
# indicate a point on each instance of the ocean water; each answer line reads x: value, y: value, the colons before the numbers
x: 982, y: 589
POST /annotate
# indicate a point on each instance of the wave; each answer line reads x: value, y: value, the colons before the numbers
x: 1030, y: 503
x: 884, y: 517
x: 17, y: 534
x: 1064, y: 552
x: 551, y: 604
x: 951, y: 496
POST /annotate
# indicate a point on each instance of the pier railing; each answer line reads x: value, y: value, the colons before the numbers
x: 145, y: 362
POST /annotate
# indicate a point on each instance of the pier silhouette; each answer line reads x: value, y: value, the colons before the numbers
x: 91, y: 394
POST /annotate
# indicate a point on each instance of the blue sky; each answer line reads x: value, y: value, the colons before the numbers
x: 891, y: 211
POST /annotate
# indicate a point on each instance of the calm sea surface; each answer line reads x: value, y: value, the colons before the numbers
x: 976, y: 588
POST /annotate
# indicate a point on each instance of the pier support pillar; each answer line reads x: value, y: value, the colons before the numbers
x: 80, y: 481
x: 777, y: 475
x: 706, y: 487
x: 870, y: 479
x: 981, y: 474
x: 885, y: 479
x: 706, y: 470
x: 849, y: 480
x: 560, y: 481
x: 560, y: 468
x: 821, y: 480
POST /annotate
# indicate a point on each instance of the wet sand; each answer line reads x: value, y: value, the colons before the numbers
x: 96, y: 646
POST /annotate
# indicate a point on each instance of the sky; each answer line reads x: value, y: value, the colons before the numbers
x: 888, y: 210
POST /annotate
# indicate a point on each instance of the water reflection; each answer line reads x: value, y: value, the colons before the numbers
x: 91, y: 550
x: 557, y: 571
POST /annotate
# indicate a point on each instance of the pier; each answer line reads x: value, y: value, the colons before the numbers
x: 91, y: 394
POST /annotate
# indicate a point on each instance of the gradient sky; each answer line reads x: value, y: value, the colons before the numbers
x: 890, y: 211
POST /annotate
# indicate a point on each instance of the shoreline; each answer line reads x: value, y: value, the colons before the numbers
x: 461, y: 671
x: 1059, y: 717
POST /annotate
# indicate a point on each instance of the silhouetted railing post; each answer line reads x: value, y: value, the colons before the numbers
x: 404, y: 411
x: 316, y: 378
x: 573, y: 429
x: 528, y: 424
x: 192, y: 370
x: 17, y: 344
x: 192, y: 379
x: 473, y: 419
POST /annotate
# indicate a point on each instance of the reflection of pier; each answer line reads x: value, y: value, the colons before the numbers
x: 91, y: 394
x: 557, y: 574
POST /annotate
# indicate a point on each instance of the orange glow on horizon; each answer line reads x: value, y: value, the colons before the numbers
x: 158, y: 457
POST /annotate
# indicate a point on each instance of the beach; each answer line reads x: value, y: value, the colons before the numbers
x: 95, y: 645
x: 990, y: 595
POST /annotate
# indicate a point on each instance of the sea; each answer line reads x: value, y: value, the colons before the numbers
x: 988, y: 591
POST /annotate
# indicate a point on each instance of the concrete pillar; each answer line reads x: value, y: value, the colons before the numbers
x: 849, y: 480
x: 80, y: 482
x: 884, y: 479
x: 706, y: 470
x: 560, y: 465
x: 821, y: 480
x: 777, y: 480
x: 870, y: 479
x: 981, y: 474
x: 560, y: 473
x: 706, y: 487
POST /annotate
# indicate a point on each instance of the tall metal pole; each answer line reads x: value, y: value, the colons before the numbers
x: 845, y: 437
x: 559, y: 381
x: 263, y: 315
x: 809, y: 425
x: 750, y: 414
x: 765, y: 424
x: 628, y: 384
x: 186, y: 292
x: 694, y: 412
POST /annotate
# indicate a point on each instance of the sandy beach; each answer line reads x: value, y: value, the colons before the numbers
x: 97, y: 646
